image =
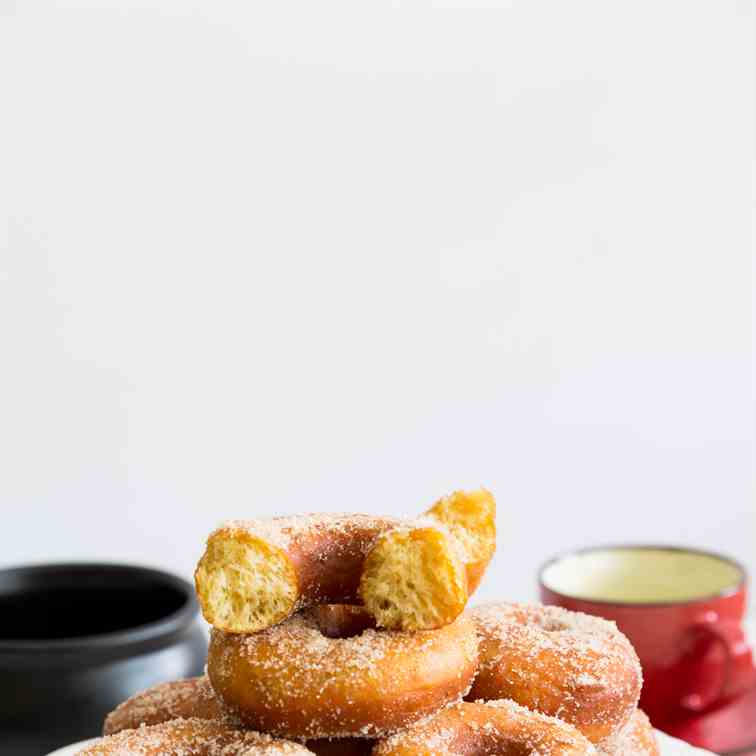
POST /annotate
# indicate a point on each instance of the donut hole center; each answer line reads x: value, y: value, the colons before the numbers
x: 339, y: 621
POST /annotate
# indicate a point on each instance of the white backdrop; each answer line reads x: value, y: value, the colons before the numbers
x: 263, y: 258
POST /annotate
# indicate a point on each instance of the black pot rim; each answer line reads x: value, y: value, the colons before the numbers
x: 121, y: 642
x: 726, y: 592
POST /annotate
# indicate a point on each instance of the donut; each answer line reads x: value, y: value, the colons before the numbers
x: 411, y: 575
x: 195, y: 698
x: 637, y: 739
x: 494, y: 727
x: 191, y: 737
x: 295, y: 681
x: 182, y: 699
x: 573, y: 666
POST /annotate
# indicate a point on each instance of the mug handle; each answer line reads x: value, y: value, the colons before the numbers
x: 737, y: 670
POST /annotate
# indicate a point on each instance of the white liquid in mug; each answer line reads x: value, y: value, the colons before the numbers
x: 641, y: 576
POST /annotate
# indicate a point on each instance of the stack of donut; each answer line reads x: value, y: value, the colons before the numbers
x: 349, y: 634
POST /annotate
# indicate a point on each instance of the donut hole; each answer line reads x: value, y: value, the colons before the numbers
x: 293, y: 681
x: 244, y: 584
x: 341, y: 620
x: 574, y: 666
x: 413, y: 580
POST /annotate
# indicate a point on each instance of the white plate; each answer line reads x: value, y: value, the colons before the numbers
x: 669, y: 747
x: 674, y: 747
x: 72, y: 749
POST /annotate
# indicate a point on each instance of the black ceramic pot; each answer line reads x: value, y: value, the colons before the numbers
x: 77, y: 639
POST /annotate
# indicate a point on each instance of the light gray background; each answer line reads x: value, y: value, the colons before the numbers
x: 349, y: 256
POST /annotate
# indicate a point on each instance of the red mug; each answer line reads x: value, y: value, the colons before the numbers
x: 681, y: 608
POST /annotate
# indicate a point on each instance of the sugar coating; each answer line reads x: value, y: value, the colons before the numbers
x: 191, y: 698
x: 539, y: 655
x: 191, y: 737
x: 495, y: 727
x: 637, y: 739
x: 284, y: 532
x: 294, y: 664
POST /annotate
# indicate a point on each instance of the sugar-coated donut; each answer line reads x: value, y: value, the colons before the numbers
x: 195, y: 698
x: 637, y: 739
x: 256, y: 573
x: 295, y: 681
x: 573, y: 666
x: 479, y: 729
x: 182, y: 699
x: 191, y: 737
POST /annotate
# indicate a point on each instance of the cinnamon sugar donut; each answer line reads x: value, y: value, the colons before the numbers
x: 410, y: 575
x: 637, y: 739
x: 195, y: 698
x: 293, y: 680
x: 191, y: 737
x: 495, y: 727
x: 574, y: 666
x: 182, y: 699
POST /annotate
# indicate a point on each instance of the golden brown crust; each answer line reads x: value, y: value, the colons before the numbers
x: 191, y: 737
x: 574, y: 666
x: 637, y: 739
x: 480, y: 729
x: 292, y: 680
x: 195, y: 699
x: 181, y: 699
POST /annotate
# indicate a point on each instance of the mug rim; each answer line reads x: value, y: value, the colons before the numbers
x: 730, y: 590
x: 144, y: 635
